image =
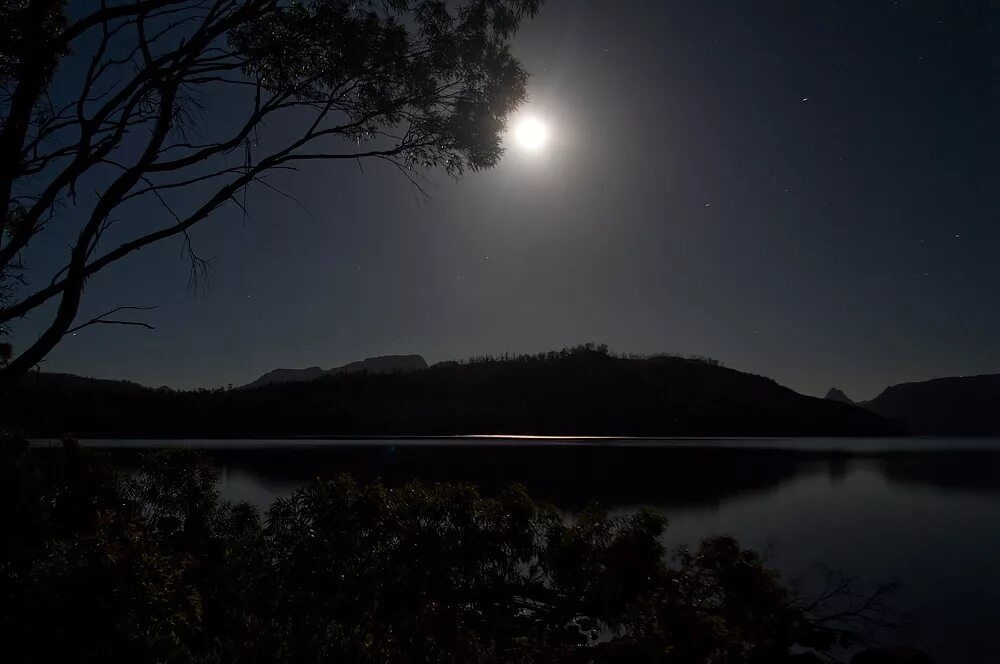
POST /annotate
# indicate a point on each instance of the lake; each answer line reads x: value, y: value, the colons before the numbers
x: 921, y: 512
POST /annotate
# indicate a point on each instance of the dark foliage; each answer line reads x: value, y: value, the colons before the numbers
x: 153, y: 567
x: 580, y: 391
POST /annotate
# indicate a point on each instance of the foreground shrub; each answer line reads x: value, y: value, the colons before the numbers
x: 154, y: 567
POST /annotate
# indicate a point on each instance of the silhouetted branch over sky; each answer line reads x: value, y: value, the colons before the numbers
x: 426, y: 86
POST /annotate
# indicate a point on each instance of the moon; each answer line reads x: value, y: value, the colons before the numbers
x: 531, y: 133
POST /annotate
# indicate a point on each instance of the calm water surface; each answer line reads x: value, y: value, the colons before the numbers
x: 924, y: 512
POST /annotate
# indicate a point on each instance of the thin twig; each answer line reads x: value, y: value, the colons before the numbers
x: 104, y: 320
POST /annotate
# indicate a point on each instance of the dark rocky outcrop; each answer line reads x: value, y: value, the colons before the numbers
x: 836, y: 395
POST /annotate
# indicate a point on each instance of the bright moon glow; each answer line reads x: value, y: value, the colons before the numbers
x: 532, y: 133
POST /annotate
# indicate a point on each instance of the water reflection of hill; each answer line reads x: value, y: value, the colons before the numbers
x: 566, y: 476
x: 572, y: 476
x: 977, y: 471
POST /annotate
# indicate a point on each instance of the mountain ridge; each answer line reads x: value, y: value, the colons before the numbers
x: 954, y: 405
x: 582, y: 391
x: 376, y: 364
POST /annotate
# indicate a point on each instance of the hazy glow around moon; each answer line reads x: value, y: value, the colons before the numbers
x: 531, y: 133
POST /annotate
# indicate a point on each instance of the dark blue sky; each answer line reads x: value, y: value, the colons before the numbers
x: 805, y: 190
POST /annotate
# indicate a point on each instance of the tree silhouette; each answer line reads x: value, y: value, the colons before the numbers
x: 425, y: 84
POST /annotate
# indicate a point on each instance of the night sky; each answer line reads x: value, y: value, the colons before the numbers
x: 804, y: 190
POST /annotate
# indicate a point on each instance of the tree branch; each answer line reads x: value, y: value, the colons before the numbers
x: 104, y: 320
x: 379, y: 80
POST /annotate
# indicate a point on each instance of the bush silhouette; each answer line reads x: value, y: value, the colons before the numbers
x: 154, y: 567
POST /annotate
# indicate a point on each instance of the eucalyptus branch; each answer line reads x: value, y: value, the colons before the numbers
x: 352, y: 81
x: 104, y: 320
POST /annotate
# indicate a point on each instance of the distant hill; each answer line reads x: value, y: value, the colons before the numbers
x: 582, y: 391
x: 71, y: 382
x: 963, y: 406
x: 375, y: 365
x: 836, y: 395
